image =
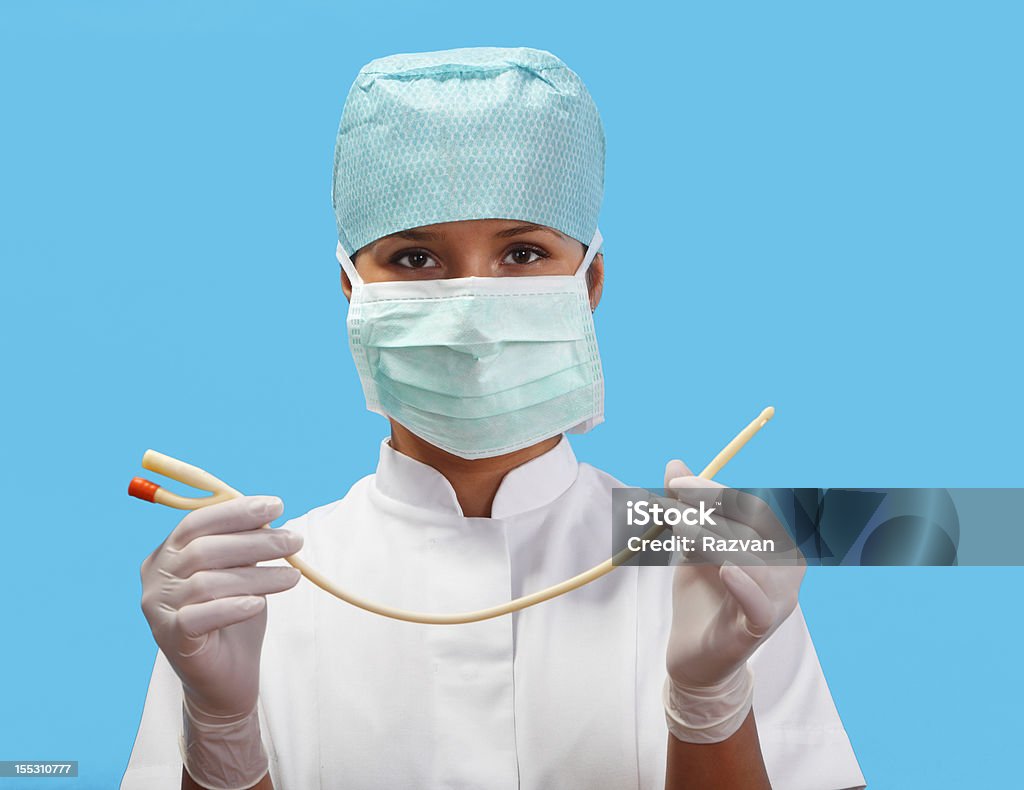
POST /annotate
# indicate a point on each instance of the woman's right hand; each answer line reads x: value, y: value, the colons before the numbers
x: 203, y: 596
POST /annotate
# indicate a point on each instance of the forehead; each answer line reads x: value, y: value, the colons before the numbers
x: 473, y: 228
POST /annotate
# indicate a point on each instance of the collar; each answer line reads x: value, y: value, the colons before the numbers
x: 528, y: 486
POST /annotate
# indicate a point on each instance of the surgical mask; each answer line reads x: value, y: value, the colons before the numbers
x: 479, y: 366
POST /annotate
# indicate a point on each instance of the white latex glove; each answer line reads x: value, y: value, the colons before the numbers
x: 202, y: 594
x: 721, y: 613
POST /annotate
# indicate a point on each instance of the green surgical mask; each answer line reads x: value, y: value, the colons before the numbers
x: 479, y: 366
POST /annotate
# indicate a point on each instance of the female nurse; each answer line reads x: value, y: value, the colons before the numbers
x: 467, y: 185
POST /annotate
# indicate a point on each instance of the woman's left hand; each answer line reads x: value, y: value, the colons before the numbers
x: 725, y: 604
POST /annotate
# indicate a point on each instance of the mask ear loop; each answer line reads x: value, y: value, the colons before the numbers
x: 347, y: 266
x: 592, y: 248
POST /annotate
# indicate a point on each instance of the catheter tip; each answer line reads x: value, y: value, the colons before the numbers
x: 140, y: 488
x: 767, y: 414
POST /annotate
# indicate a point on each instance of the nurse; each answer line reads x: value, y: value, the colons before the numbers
x: 467, y: 185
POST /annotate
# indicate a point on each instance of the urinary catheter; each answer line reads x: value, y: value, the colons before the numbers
x: 222, y: 492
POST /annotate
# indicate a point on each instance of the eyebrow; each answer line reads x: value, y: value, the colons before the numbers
x: 416, y: 235
x: 527, y: 228
x: 516, y: 230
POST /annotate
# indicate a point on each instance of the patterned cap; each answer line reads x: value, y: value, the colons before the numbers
x: 476, y: 133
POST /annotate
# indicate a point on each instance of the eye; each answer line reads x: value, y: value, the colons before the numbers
x: 524, y: 255
x: 415, y: 259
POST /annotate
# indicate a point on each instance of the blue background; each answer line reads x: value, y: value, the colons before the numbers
x: 811, y: 205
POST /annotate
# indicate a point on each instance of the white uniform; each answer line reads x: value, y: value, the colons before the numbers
x: 562, y: 695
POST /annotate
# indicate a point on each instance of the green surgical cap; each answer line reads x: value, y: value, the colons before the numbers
x: 477, y: 133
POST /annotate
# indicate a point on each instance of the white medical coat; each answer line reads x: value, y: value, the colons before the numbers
x: 562, y: 695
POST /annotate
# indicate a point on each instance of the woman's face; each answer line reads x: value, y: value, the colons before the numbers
x: 474, y: 248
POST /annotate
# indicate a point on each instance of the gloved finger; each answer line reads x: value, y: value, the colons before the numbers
x: 737, y: 507
x: 235, y: 515
x: 676, y: 468
x: 198, y: 619
x: 687, y: 485
x: 695, y: 492
x: 207, y: 552
x: 780, y: 583
x: 757, y: 607
x: 209, y: 585
x: 703, y: 544
x: 703, y: 534
x: 710, y: 524
x: 712, y: 549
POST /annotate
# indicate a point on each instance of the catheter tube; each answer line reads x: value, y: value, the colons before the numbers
x: 199, y: 478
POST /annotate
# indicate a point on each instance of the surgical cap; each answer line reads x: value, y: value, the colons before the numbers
x: 475, y: 133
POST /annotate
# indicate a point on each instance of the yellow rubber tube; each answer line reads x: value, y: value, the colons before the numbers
x: 221, y: 491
